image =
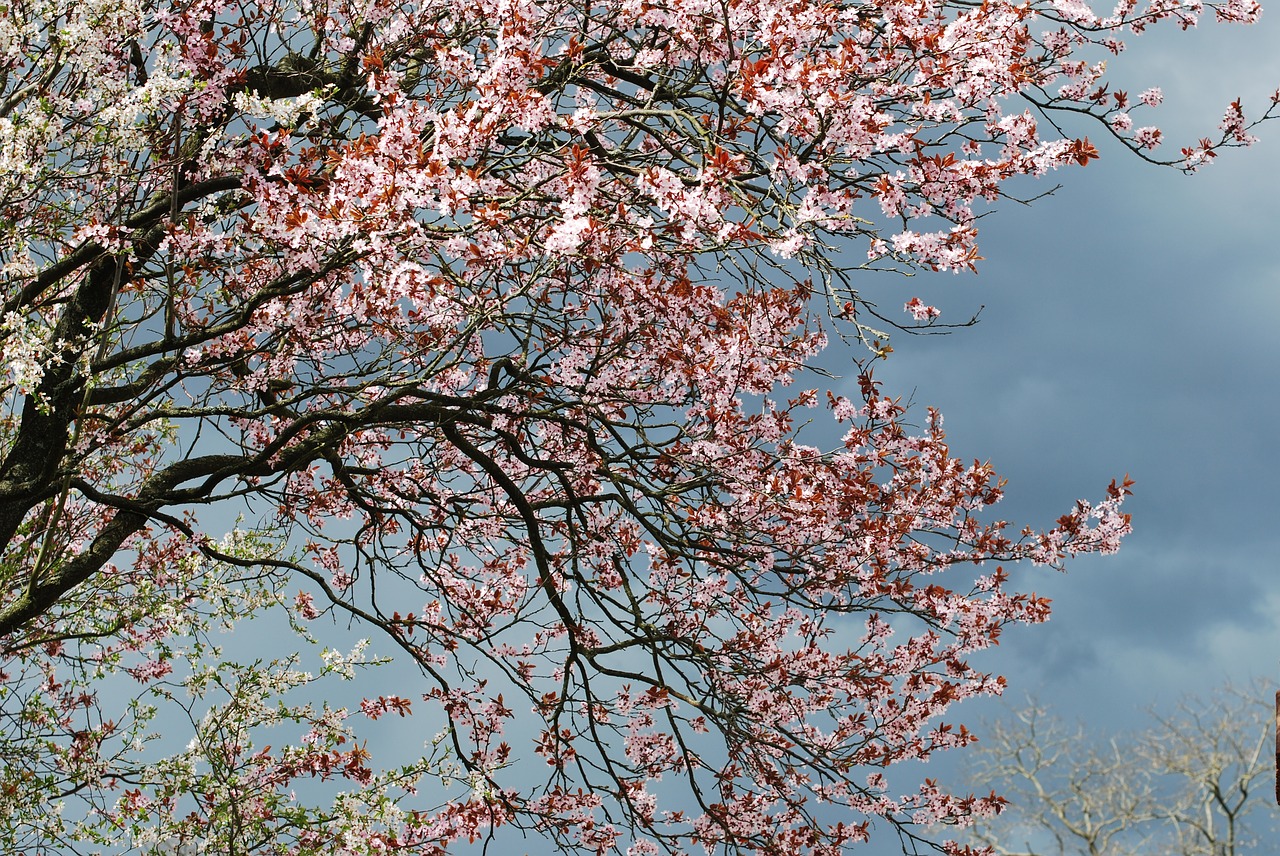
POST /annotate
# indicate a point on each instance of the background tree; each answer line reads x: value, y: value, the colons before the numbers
x: 1194, y: 783
x: 492, y: 318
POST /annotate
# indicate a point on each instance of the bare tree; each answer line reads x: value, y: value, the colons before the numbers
x: 1191, y: 783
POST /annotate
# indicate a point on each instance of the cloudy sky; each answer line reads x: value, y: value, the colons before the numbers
x: 1131, y: 325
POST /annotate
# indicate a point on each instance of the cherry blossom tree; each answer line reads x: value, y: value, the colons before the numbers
x: 496, y: 324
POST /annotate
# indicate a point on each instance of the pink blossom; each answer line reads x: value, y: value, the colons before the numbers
x: 919, y: 311
x: 1148, y: 138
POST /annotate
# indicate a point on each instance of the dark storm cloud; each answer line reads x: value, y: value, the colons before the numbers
x: 1131, y: 326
